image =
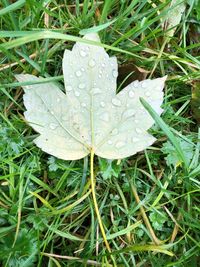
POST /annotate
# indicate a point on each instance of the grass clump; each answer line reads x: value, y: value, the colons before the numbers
x: 46, y: 208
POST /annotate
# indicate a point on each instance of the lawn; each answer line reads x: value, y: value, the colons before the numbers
x: 149, y: 202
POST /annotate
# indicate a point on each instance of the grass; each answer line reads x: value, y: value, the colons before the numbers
x: 47, y: 213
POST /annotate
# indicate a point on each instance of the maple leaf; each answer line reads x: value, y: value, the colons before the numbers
x: 90, y: 115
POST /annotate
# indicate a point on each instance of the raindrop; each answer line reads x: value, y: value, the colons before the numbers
x: 103, y: 65
x: 92, y: 63
x: 114, y: 131
x: 82, y: 69
x: 120, y: 144
x: 129, y: 113
x: 99, y: 75
x: 83, y: 53
x: 131, y: 94
x: 116, y: 102
x: 77, y: 93
x: 136, y: 83
x: 53, y: 126
x: 105, y: 117
x: 58, y: 100
x: 144, y: 84
x: 83, y: 105
x: 114, y: 73
x: 64, y: 118
x: 102, y: 104
x: 96, y: 91
x: 68, y: 88
x: 136, y: 121
x: 147, y: 93
x: 81, y: 86
x: 138, y: 130
x: 52, y: 112
x: 109, y: 142
x: 78, y: 73
x: 135, y: 139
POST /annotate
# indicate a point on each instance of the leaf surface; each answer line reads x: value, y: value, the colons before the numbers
x: 90, y: 115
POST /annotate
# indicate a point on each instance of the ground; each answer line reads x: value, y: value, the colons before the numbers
x: 149, y: 202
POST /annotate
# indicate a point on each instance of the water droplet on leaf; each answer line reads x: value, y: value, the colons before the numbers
x: 129, y: 113
x: 68, y: 88
x: 120, y: 144
x: 114, y: 73
x: 83, y: 105
x: 105, y: 117
x: 81, y: 86
x: 92, y: 63
x: 96, y: 91
x: 114, y: 131
x: 131, y: 94
x: 147, y: 93
x: 138, y: 130
x: 83, y: 53
x: 77, y: 93
x: 53, y: 126
x: 78, y: 73
x: 135, y: 139
x: 116, y: 102
x: 102, y: 104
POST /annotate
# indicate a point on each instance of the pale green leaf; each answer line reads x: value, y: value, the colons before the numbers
x: 89, y: 115
x: 173, y: 17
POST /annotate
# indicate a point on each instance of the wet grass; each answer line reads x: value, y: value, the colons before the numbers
x: 47, y: 216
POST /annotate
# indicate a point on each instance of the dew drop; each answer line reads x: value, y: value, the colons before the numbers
x: 81, y: 86
x: 64, y: 118
x: 53, y: 126
x: 99, y: 75
x: 83, y: 53
x: 131, y: 94
x: 82, y: 69
x: 135, y: 139
x: 109, y: 142
x: 103, y: 65
x: 52, y: 112
x: 83, y: 105
x: 136, y: 121
x: 50, y: 150
x: 102, y: 104
x: 116, y: 102
x: 120, y: 144
x: 78, y: 73
x: 144, y: 84
x: 77, y: 93
x: 92, y: 63
x: 114, y: 73
x: 114, y: 131
x: 138, y: 130
x: 147, y: 93
x: 136, y: 83
x: 58, y: 100
x: 129, y: 113
x: 68, y: 88
x: 96, y: 91
x: 105, y: 117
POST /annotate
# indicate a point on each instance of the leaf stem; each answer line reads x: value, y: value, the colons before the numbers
x: 96, y: 205
x: 144, y: 216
